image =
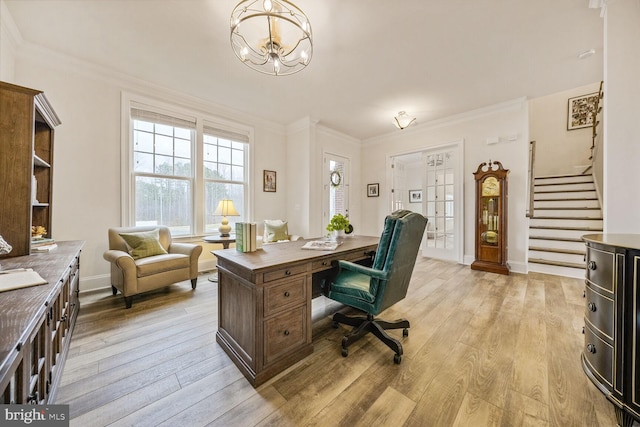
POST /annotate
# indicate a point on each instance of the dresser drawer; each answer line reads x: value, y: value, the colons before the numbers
x: 599, y: 312
x: 284, y: 332
x: 291, y: 292
x: 599, y: 357
x: 283, y: 273
x: 601, y: 268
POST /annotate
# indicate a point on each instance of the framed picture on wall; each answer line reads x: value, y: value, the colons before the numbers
x: 269, y: 181
x: 582, y: 111
x: 415, y: 196
x: 373, y: 190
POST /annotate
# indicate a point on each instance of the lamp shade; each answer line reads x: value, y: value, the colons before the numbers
x: 226, y: 208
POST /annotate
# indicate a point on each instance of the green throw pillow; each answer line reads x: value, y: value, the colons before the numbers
x: 144, y: 244
x: 275, y: 230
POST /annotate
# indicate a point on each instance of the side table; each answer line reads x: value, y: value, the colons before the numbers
x: 224, y: 241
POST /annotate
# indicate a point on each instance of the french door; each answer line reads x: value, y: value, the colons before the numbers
x: 335, y: 187
x: 429, y: 182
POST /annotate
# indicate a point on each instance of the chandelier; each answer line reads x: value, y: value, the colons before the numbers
x: 271, y: 36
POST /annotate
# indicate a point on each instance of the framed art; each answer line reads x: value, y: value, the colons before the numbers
x: 581, y: 111
x: 415, y: 196
x: 373, y: 190
x: 269, y: 181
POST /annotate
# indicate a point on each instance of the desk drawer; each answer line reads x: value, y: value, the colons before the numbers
x: 329, y: 262
x: 284, y: 332
x: 599, y: 311
x: 291, y: 292
x: 600, y: 268
x: 599, y: 356
x: 283, y: 273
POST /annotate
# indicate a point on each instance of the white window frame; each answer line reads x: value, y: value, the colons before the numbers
x: 178, y: 109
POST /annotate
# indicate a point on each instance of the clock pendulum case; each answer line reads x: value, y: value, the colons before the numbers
x: 491, y: 218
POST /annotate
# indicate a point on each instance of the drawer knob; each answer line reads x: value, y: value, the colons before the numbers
x: 591, y: 265
x: 325, y: 263
x: 287, y: 294
x: 591, y: 348
x: 591, y: 306
x: 286, y: 332
x: 287, y: 273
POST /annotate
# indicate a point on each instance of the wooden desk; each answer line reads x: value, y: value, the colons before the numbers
x: 264, y: 302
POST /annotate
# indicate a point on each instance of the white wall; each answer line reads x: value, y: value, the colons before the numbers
x: 87, y: 162
x: 7, y: 44
x: 500, y: 121
x: 621, y: 207
x: 559, y: 151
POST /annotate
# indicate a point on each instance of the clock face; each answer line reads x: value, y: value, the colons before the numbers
x: 335, y: 178
x: 491, y: 187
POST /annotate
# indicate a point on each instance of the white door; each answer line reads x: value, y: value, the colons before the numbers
x: 429, y: 182
x: 335, y: 187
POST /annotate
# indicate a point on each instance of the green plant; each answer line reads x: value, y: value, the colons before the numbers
x: 338, y: 222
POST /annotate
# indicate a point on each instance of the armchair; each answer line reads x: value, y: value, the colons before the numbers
x: 156, y: 263
x: 374, y: 289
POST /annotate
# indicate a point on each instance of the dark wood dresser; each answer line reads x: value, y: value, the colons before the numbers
x: 36, y: 325
x: 611, y: 338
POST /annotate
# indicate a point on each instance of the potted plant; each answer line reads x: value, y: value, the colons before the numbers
x: 339, y: 224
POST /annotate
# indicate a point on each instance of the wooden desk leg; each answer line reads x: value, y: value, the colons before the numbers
x: 225, y: 245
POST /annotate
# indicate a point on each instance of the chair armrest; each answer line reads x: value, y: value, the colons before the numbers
x: 183, y: 248
x: 120, y: 258
x: 371, y: 272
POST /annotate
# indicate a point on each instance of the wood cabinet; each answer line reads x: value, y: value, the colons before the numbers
x: 612, y: 301
x: 491, y: 218
x: 37, y: 323
x: 27, y: 125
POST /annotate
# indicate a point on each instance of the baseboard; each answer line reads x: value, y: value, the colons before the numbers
x: 103, y: 281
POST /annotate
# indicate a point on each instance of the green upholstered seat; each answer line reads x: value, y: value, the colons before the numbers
x: 373, y: 289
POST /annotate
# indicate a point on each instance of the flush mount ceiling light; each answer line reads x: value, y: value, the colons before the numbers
x: 271, y: 36
x: 403, y: 120
x: 586, y: 53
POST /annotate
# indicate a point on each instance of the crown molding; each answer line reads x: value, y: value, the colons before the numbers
x: 502, y: 107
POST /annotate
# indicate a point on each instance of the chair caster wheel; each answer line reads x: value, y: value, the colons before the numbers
x: 405, y: 332
x: 345, y: 352
x: 397, y: 359
x: 335, y: 324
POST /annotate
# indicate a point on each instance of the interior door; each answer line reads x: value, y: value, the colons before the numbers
x: 335, y: 187
x: 428, y: 182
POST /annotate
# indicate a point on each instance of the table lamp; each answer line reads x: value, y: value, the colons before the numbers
x: 225, y: 208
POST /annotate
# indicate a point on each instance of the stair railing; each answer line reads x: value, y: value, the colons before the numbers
x: 594, y: 127
x: 530, y: 188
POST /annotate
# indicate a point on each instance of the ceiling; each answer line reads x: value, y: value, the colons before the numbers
x: 371, y: 59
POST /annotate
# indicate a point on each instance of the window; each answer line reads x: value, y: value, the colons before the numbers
x: 169, y: 186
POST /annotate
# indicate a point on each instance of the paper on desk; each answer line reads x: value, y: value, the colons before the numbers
x: 20, y: 278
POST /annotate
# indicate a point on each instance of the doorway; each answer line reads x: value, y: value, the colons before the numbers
x: 429, y: 182
x: 335, y: 188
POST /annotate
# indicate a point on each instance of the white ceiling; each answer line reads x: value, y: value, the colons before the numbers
x: 371, y: 59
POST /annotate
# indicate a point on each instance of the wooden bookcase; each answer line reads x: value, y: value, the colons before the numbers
x: 27, y: 127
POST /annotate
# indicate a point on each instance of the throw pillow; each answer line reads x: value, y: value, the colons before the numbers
x: 275, y: 230
x: 144, y: 243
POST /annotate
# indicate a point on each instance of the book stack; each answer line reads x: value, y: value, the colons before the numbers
x: 42, y: 244
x: 246, y: 236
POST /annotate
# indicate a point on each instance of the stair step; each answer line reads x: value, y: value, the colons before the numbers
x: 572, y: 218
x: 557, y: 239
x: 565, y: 195
x: 589, y: 181
x: 549, y: 227
x: 558, y: 263
x: 562, y: 176
x: 562, y: 191
x: 556, y: 250
x: 568, y: 209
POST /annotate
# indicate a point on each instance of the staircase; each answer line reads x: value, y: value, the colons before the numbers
x: 565, y: 208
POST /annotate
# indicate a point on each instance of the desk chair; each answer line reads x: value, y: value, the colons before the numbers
x: 373, y: 289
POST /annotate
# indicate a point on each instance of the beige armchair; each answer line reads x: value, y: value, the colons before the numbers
x: 131, y: 275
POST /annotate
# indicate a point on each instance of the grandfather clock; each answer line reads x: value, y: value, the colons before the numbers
x: 491, y: 218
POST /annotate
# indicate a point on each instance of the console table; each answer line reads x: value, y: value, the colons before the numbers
x: 264, y: 301
x: 611, y: 353
x: 36, y: 325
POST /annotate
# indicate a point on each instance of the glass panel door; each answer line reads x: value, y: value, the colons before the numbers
x: 335, y: 187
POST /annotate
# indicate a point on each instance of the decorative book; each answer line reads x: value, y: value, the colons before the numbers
x: 321, y: 245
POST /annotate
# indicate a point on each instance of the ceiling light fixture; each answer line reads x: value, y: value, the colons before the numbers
x: 403, y: 120
x: 586, y: 53
x: 271, y: 36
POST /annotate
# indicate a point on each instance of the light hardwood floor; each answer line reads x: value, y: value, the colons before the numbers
x: 483, y: 350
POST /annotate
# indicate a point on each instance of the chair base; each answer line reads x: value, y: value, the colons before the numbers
x: 363, y: 325
x: 128, y: 301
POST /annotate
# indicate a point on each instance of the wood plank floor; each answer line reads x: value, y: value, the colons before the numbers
x: 483, y: 350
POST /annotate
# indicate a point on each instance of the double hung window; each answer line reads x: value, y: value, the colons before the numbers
x: 181, y: 166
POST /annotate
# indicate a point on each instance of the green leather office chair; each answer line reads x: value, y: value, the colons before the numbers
x: 373, y: 289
